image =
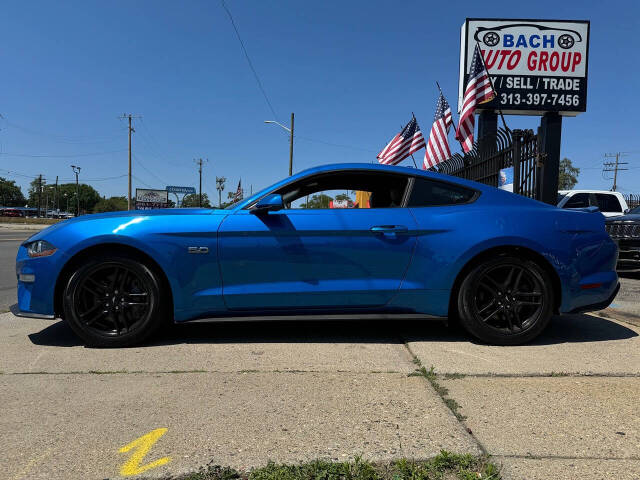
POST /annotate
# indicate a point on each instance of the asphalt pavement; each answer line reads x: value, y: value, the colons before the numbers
x: 10, y: 240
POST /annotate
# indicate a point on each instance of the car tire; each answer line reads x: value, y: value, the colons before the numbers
x: 505, y: 300
x: 114, y: 300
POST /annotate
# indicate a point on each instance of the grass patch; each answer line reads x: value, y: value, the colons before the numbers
x: 432, y: 378
x: 445, y: 466
x: 30, y: 221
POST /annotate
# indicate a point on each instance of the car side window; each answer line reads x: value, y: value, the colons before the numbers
x: 579, y: 200
x: 431, y: 193
x: 345, y: 189
x: 608, y: 203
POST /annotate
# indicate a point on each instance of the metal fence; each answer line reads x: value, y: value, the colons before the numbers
x: 633, y: 199
x: 519, y: 149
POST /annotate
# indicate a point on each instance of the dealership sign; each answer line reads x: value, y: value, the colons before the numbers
x: 537, y: 66
x: 185, y: 190
x: 147, y: 199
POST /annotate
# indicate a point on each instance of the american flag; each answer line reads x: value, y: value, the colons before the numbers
x: 409, y: 140
x: 238, y: 195
x: 438, y: 146
x: 479, y: 90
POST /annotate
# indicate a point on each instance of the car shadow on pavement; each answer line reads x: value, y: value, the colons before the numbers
x: 563, y: 329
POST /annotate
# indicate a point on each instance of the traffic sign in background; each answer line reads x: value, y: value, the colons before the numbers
x: 537, y: 66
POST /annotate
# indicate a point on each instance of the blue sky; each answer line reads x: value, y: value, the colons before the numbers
x: 352, y: 71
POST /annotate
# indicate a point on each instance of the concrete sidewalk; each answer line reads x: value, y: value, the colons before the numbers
x: 240, y: 394
x: 236, y: 395
x: 563, y: 407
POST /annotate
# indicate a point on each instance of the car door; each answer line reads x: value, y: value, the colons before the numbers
x: 314, y: 258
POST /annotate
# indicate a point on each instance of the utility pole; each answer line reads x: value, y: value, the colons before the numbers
x: 614, y: 167
x: 220, y: 187
x: 131, y: 130
x: 76, y: 170
x: 39, y: 193
x: 55, y: 198
x: 199, y: 163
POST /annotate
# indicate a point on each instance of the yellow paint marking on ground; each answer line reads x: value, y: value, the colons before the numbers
x: 141, y: 447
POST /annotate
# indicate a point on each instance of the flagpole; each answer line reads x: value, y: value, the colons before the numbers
x: 414, y: 160
x: 492, y: 87
x: 456, y: 129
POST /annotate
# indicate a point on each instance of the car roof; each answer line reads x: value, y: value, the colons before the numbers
x: 377, y: 167
x: 564, y: 192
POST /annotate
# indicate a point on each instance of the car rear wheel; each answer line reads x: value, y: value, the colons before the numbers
x: 505, y: 300
x: 114, y: 301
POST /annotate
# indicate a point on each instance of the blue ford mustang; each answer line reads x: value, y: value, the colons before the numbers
x: 417, y: 244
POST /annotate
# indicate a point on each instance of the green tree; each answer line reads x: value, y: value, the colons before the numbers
x: 192, y: 200
x: 567, y: 175
x: 342, y: 197
x: 88, y: 196
x: 112, y: 204
x: 319, y: 200
x: 10, y: 194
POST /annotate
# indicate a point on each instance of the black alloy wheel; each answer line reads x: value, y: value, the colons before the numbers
x: 506, y: 300
x: 113, y: 301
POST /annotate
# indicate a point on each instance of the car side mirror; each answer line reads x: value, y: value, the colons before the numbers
x: 626, y: 210
x: 271, y: 203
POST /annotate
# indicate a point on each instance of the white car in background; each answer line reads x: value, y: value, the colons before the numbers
x: 611, y: 204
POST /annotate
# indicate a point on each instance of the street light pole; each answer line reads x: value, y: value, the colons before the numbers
x: 76, y: 170
x: 290, y: 130
x: 291, y: 147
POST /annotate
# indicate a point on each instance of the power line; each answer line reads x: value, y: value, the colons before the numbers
x: 140, y: 181
x: 139, y: 162
x: 246, y: 54
x: 146, y: 136
x: 353, y: 147
x: 47, y: 155
x: 58, y: 138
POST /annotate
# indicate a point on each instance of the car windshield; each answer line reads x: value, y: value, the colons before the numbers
x: 560, y: 197
x: 635, y: 209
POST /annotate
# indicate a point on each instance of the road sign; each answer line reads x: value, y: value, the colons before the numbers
x: 185, y: 190
x: 537, y: 66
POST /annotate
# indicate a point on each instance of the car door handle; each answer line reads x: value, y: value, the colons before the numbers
x: 389, y: 229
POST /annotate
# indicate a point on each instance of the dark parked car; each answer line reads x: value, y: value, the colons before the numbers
x: 625, y: 231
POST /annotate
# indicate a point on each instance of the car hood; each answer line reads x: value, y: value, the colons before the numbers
x: 160, y: 212
x: 633, y: 217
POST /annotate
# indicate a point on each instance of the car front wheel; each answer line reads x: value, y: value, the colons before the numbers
x: 113, y: 301
x: 505, y: 300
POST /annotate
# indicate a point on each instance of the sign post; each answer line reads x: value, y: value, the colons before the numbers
x: 180, y: 190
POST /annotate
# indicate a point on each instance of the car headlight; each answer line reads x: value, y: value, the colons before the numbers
x: 40, y: 248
